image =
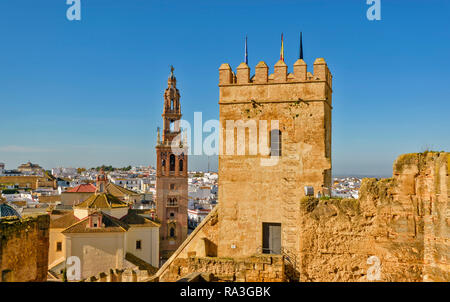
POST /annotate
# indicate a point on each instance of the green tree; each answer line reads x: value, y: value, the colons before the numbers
x: 64, y: 275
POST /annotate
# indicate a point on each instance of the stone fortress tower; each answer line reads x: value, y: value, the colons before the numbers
x: 260, y: 204
x: 171, y: 175
x: 271, y: 225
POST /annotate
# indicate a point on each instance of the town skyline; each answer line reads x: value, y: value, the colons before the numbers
x: 95, y: 88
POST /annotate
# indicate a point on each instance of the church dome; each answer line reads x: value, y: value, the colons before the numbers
x: 7, y: 210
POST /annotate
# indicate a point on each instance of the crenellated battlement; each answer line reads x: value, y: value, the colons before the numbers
x: 300, y: 73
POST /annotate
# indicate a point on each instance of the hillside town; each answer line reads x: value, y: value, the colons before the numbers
x: 30, y: 189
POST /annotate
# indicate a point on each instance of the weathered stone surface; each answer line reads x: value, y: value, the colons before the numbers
x: 227, y: 269
x: 401, y: 220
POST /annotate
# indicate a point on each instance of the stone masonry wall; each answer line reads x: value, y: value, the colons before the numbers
x: 24, y: 248
x: 255, y: 188
x: 118, y: 275
x: 403, y: 221
x: 263, y: 268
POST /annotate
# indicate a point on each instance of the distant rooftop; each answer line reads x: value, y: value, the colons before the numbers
x: 83, y: 188
x: 8, y: 211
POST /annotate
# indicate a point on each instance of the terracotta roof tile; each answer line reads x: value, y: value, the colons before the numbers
x: 102, y: 201
x: 118, y: 191
x: 63, y: 221
x: 134, y: 219
x: 111, y: 225
x: 83, y: 188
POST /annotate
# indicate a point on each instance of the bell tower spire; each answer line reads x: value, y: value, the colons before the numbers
x: 101, y: 182
x: 171, y: 174
x: 172, y: 109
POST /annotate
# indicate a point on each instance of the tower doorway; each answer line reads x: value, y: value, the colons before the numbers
x: 271, y: 238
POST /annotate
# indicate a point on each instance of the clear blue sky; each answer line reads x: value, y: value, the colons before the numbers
x: 89, y: 92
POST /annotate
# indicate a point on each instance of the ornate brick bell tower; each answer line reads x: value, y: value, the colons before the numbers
x: 171, y: 175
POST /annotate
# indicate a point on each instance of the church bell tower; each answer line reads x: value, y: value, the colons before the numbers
x: 171, y: 174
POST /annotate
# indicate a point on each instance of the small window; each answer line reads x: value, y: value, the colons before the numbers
x: 59, y: 246
x: 163, y: 162
x: 275, y: 142
x: 172, y: 186
x: 172, y: 162
x: 138, y: 244
x: 172, y: 232
x: 181, y: 165
x: 172, y: 215
x: 172, y: 202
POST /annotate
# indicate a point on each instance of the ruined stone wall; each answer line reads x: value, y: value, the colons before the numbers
x: 403, y: 221
x: 120, y: 275
x: 24, y: 246
x: 263, y: 268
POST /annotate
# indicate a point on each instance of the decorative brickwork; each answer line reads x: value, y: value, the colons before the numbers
x: 171, y: 175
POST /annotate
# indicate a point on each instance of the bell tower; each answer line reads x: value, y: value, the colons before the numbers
x: 101, y: 182
x: 171, y: 174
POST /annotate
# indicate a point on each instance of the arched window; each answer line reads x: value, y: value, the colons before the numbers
x: 181, y: 165
x: 172, y: 162
x: 172, y: 232
x: 163, y: 162
x: 275, y: 142
x: 172, y: 125
x: 172, y: 201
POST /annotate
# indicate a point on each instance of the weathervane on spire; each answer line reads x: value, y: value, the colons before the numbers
x: 171, y: 70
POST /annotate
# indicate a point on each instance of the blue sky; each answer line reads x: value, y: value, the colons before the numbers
x: 89, y: 92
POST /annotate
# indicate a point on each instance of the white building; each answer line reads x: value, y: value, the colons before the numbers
x: 65, y: 172
x: 104, y: 234
x: 195, y: 216
x: 133, y: 184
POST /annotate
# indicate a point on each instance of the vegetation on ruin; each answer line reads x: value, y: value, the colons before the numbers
x: 375, y: 187
x: 404, y: 160
x: 309, y: 203
x: 10, y: 191
x: 255, y: 109
x: 448, y: 163
x: 295, y: 105
x: 346, y: 204
x: 418, y: 159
